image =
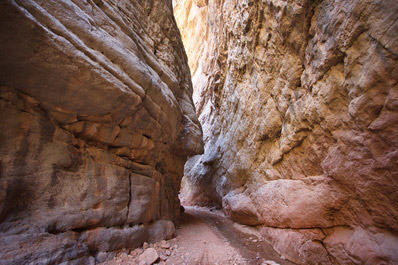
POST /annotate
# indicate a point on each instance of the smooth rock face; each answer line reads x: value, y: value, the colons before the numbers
x: 96, y: 123
x: 299, y: 105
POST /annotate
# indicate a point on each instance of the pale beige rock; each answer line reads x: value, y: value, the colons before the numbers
x: 164, y: 244
x: 149, y: 257
x: 297, y: 100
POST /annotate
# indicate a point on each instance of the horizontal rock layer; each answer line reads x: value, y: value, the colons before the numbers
x: 96, y: 123
x: 299, y: 105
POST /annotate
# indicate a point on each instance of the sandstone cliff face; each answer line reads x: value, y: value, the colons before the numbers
x: 96, y: 124
x: 299, y: 105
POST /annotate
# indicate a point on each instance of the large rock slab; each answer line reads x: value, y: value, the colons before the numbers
x: 298, y: 102
x: 96, y: 123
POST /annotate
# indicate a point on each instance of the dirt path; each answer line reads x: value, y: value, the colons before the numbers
x: 248, y: 245
x: 207, y: 237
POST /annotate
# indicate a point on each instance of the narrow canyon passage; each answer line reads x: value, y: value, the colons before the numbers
x: 275, y: 122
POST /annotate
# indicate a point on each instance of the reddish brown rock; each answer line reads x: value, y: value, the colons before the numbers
x: 298, y: 102
x: 96, y: 123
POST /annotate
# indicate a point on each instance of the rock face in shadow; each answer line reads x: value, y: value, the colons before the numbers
x: 299, y: 105
x: 96, y: 123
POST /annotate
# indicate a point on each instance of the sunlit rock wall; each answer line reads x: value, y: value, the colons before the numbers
x: 299, y: 105
x: 96, y: 123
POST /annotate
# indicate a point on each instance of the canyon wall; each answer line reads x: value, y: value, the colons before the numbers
x: 298, y: 100
x: 96, y: 123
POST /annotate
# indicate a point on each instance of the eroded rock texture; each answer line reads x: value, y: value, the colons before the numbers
x: 298, y: 101
x: 96, y: 124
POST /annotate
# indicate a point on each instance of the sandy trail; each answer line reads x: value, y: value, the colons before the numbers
x: 208, y: 237
x: 225, y: 241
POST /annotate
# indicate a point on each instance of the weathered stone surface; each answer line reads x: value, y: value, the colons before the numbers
x: 149, y: 257
x: 300, y: 246
x: 43, y: 248
x: 298, y: 103
x: 96, y: 122
x: 111, y: 239
x: 359, y: 245
x: 104, y: 256
x: 159, y: 230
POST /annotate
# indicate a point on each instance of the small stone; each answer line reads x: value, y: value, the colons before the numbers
x: 145, y: 245
x: 163, y: 257
x: 164, y: 244
x: 168, y: 262
x: 149, y: 256
x: 123, y: 256
x: 167, y: 252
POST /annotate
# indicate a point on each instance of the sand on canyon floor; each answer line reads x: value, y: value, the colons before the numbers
x: 205, y: 236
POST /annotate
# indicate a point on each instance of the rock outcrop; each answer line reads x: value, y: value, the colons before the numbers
x: 299, y: 106
x: 96, y: 123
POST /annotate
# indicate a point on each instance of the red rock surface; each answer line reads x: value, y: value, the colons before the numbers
x: 96, y: 123
x: 299, y: 105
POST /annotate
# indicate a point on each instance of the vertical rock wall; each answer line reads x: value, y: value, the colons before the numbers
x: 298, y: 101
x: 96, y: 123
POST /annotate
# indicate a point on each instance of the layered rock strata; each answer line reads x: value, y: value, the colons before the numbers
x: 96, y: 123
x: 299, y: 105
